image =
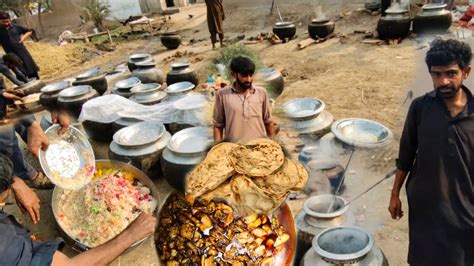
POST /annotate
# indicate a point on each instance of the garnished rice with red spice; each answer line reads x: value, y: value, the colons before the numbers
x: 104, y: 208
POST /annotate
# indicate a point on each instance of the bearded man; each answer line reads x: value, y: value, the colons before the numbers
x: 242, y: 111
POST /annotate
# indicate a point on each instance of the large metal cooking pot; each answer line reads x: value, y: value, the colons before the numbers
x: 138, y: 174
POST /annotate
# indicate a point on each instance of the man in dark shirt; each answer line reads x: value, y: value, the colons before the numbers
x: 18, y: 247
x: 12, y: 37
x: 437, y: 154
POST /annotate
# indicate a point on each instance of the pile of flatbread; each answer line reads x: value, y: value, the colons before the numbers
x: 253, y: 178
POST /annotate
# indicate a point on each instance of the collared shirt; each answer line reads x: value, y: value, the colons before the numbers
x: 243, y: 116
x: 438, y: 152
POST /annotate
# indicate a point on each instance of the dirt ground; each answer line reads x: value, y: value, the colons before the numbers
x: 354, y: 79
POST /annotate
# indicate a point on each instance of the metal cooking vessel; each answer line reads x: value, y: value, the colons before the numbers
x: 138, y: 174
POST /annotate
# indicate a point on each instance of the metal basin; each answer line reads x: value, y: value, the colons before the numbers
x: 55, y: 87
x: 139, y: 134
x: 317, y: 206
x: 138, y: 174
x: 75, y: 91
x: 304, y: 108
x: 343, y: 244
x: 180, y: 87
x: 191, y: 141
x: 127, y: 84
x: 361, y: 133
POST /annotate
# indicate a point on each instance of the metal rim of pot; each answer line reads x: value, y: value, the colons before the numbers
x: 54, y: 88
x: 175, y: 143
x: 95, y: 71
x: 320, y: 21
x: 159, y: 144
x: 146, y: 63
x: 284, y: 24
x: 75, y: 91
x: 180, y: 65
x: 180, y: 88
x: 155, y: 97
x: 138, y: 57
x: 323, y: 199
x: 387, y: 133
x: 434, y: 7
x: 127, y: 84
x: 343, y: 257
x: 150, y: 132
x: 146, y: 88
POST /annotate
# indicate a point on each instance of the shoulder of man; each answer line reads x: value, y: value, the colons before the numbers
x: 225, y: 90
x: 260, y: 89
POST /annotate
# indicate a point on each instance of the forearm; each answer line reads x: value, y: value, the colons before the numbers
x: 400, y: 177
x: 218, y: 134
x: 26, y: 35
x: 106, y: 253
x: 270, y: 128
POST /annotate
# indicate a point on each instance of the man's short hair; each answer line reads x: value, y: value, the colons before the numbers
x: 242, y: 65
x: 4, y: 15
x: 6, y: 172
x: 445, y: 52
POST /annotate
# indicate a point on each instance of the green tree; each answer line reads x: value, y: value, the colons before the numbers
x: 95, y: 11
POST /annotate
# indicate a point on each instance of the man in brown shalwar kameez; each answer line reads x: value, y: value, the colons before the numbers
x: 215, y: 17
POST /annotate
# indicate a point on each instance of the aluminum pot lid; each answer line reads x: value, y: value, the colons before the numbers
x: 284, y: 24
x: 89, y: 73
x: 75, y: 91
x: 139, y: 134
x: 127, y: 83
x: 146, y: 63
x: 55, y: 87
x: 180, y: 65
x: 139, y: 56
x: 127, y: 121
x: 320, y: 20
x: 146, y: 88
x: 30, y: 84
x: 361, y: 133
x: 191, y: 141
x: 149, y: 98
x: 434, y: 6
x: 343, y: 243
x: 151, y: 148
x: 180, y: 87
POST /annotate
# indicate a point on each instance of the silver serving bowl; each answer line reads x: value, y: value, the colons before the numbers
x: 55, y: 87
x: 343, y: 243
x: 146, y: 88
x: 139, y: 134
x: 317, y: 206
x: 75, y: 91
x: 304, y: 108
x: 89, y: 73
x: 79, y: 142
x: 127, y: 84
x: 139, y: 56
x: 361, y: 133
x: 180, y: 87
x: 191, y: 141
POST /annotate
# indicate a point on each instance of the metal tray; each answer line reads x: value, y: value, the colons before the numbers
x: 191, y: 141
x: 362, y: 133
x: 75, y: 91
x: 180, y: 87
x: 55, y: 87
x: 76, y: 140
x: 139, y: 134
x: 303, y: 108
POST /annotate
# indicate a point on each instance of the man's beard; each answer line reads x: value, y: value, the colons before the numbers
x: 244, y: 85
x: 447, y: 92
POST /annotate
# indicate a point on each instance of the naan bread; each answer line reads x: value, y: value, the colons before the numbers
x: 260, y: 157
x: 303, y: 177
x: 214, y: 170
x: 222, y: 192
x: 282, y: 181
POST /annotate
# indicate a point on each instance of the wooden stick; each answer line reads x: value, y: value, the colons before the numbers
x: 305, y: 43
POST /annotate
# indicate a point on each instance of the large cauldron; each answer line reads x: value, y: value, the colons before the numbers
x: 284, y: 29
x: 181, y: 72
x: 50, y: 93
x: 147, y: 72
x: 320, y: 28
x: 138, y: 174
x: 396, y: 24
x: 434, y: 19
x: 72, y: 98
x: 171, y: 40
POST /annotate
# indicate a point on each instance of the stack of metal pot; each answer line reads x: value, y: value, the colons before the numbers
x: 307, y: 116
x: 148, y: 94
x: 94, y: 78
x: 142, y: 144
x: 72, y: 98
x: 135, y: 58
x: 185, y: 150
x: 396, y: 23
x: 147, y: 72
x: 124, y: 87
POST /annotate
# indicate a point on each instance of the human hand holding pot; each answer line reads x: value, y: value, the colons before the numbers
x: 37, y: 139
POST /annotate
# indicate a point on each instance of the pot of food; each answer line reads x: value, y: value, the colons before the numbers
x: 207, y: 228
x: 343, y: 244
x: 320, y: 28
x: 181, y: 72
x: 284, y: 29
x: 50, y: 93
x: 93, y: 78
x: 148, y: 94
x: 80, y: 219
x: 396, y: 24
x: 72, y: 98
x: 147, y: 72
x: 98, y: 131
x: 135, y: 58
x: 434, y: 19
x: 316, y: 210
x: 170, y: 40
x: 124, y: 122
